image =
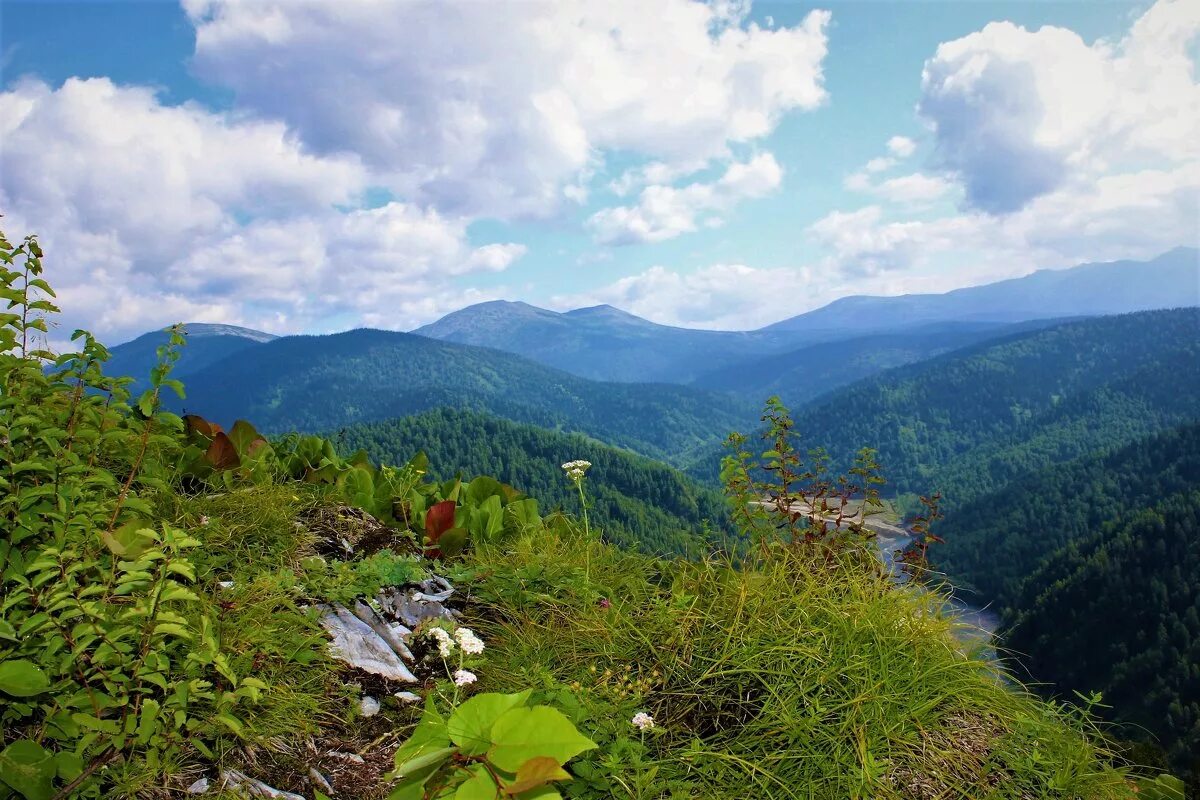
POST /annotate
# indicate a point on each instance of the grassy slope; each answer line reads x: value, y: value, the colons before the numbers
x: 779, y: 681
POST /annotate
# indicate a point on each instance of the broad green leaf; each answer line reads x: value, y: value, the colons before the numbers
x: 29, y: 768
x: 21, y: 678
x: 470, y: 726
x: 479, y: 786
x: 525, y: 733
x: 536, y: 772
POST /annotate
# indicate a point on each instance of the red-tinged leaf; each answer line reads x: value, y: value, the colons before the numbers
x: 438, y: 519
x: 221, y: 454
x: 197, y: 425
x: 255, y: 446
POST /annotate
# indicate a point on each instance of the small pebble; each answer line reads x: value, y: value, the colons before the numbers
x: 199, y: 787
x: 369, y: 707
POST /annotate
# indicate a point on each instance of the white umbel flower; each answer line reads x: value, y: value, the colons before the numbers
x: 642, y: 721
x: 445, y: 644
x: 471, y: 644
x: 464, y: 677
x: 576, y: 469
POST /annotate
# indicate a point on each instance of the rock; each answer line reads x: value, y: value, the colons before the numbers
x: 199, y: 787
x: 320, y: 780
x: 244, y: 784
x: 353, y: 758
x: 391, y: 633
x: 357, y: 644
x: 368, y: 707
x: 407, y: 697
x: 413, y: 607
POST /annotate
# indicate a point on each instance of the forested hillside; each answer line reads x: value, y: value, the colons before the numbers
x: 635, y: 501
x: 969, y: 422
x: 799, y: 376
x: 995, y: 542
x: 321, y: 383
x: 1119, y: 612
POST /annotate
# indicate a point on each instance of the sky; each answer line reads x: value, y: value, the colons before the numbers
x: 299, y: 166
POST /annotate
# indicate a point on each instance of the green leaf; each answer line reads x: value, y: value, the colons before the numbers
x: 130, y: 540
x: 525, y: 733
x: 429, y: 759
x: 470, y: 727
x: 479, y: 786
x: 452, y: 542
x: 28, y: 768
x: 536, y: 772
x: 21, y: 678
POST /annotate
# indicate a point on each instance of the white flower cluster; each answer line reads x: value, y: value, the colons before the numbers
x: 464, y: 677
x: 642, y: 721
x: 576, y: 469
x: 471, y: 644
x: 445, y: 644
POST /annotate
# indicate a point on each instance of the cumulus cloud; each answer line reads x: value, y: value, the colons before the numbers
x: 901, y: 146
x: 1134, y: 215
x: 493, y: 108
x: 1018, y: 114
x: 664, y: 212
x: 151, y: 214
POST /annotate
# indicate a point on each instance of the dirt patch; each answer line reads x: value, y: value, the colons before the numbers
x: 954, y: 755
x: 346, y: 532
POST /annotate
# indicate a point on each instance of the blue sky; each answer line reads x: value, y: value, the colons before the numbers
x: 316, y: 166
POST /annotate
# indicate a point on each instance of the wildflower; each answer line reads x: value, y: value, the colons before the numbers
x: 575, y: 469
x: 471, y: 644
x: 203, y: 519
x: 464, y: 677
x: 445, y: 644
x: 605, y: 602
x: 642, y: 721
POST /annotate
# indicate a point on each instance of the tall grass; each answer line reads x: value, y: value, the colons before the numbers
x: 797, y: 677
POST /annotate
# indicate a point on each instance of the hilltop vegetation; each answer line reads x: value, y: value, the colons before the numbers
x: 636, y: 501
x: 321, y: 383
x: 165, y: 583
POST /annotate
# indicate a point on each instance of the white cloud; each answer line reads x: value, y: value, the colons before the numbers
x: 879, y: 164
x: 664, y: 212
x: 1018, y: 114
x: 901, y: 146
x: 495, y: 107
x: 150, y: 214
x: 1134, y: 215
x: 718, y: 297
x: 914, y: 188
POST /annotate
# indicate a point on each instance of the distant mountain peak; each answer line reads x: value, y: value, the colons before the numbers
x: 199, y: 329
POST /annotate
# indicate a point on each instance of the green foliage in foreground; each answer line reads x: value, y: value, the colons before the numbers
x: 634, y: 500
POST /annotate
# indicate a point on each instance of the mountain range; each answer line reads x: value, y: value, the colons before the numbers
x: 606, y: 343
